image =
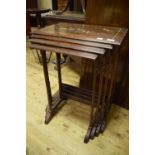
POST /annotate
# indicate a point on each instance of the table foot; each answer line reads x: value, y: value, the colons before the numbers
x: 49, y: 114
x: 54, y: 108
x: 103, y: 125
x: 92, y: 134
x: 98, y: 130
x: 87, y: 136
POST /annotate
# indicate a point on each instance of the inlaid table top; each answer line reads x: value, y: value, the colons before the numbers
x: 101, y: 34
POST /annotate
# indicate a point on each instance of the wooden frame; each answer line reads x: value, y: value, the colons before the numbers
x: 104, y: 60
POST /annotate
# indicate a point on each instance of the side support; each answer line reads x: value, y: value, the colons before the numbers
x: 113, y: 76
x: 114, y: 61
x: 48, y: 88
x: 99, y: 99
x: 59, y: 74
x: 88, y: 134
x: 103, y: 75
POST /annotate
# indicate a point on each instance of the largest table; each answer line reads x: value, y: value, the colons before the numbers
x: 101, y: 45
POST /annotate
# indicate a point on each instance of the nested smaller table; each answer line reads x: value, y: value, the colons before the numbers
x: 100, y: 44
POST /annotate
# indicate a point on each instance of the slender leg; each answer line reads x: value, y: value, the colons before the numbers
x: 99, y: 112
x: 113, y: 75
x: 49, y: 58
x: 101, y: 120
x: 101, y: 124
x: 59, y: 74
x: 48, y: 88
x: 38, y: 56
x: 98, y: 107
x: 87, y: 136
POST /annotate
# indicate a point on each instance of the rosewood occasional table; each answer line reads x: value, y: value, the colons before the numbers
x: 101, y: 45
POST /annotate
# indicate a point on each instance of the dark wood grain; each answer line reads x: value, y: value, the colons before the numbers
x: 64, y: 51
x: 72, y: 46
x: 104, y: 67
x: 31, y: 4
x: 46, y: 76
x: 59, y: 74
x: 110, y: 13
x: 100, y: 34
x: 88, y: 43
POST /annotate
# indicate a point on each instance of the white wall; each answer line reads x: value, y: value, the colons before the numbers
x: 44, y: 4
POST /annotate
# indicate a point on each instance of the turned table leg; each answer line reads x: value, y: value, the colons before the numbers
x: 107, y: 102
x: 113, y: 77
x: 59, y: 74
x: 99, y: 99
x: 88, y: 134
x: 102, y: 92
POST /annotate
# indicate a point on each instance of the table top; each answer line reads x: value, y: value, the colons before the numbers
x: 68, y: 46
x: 35, y: 10
x: 68, y: 15
x: 64, y: 51
x: 94, y: 33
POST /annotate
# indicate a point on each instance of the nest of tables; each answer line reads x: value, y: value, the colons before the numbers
x: 101, y: 45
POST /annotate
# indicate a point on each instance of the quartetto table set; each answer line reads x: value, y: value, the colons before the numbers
x: 101, y: 45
